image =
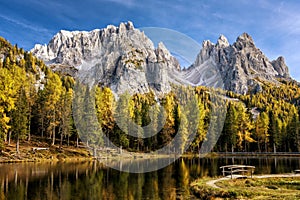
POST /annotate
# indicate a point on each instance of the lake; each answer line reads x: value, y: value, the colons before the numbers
x: 92, y: 180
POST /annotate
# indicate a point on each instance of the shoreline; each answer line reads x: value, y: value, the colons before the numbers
x: 264, y: 186
x: 54, y: 153
x: 212, y: 183
x: 256, y: 154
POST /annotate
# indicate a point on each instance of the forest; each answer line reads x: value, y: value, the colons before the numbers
x: 35, y: 101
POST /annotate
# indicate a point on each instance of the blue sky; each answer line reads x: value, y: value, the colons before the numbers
x: 273, y: 24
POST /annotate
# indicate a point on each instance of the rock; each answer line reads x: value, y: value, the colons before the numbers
x: 121, y: 58
x: 280, y: 66
x: 240, y: 67
x: 124, y: 59
x: 222, y: 42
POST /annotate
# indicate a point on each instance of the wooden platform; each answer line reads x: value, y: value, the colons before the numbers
x: 241, y: 170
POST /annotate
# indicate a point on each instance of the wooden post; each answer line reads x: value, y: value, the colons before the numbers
x: 223, y: 171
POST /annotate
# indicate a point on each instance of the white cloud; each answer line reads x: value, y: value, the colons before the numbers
x: 24, y: 24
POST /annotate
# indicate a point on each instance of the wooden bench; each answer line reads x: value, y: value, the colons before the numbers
x: 34, y: 149
x: 237, y: 169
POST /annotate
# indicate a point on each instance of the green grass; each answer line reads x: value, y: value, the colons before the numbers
x: 267, y: 188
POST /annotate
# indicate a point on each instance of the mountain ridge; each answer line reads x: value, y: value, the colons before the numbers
x: 241, y: 66
x: 125, y: 59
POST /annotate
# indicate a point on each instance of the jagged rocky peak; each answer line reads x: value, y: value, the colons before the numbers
x: 206, y: 44
x: 222, y: 41
x: 163, y: 55
x: 162, y: 52
x: 205, y: 52
x: 280, y: 66
x: 240, y: 67
x: 243, y: 41
x: 70, y: 47
x: 120, y: 57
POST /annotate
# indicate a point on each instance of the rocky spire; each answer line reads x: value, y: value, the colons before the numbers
x: 222, y: 41
x: 280, y: 66
x: 243, y: 41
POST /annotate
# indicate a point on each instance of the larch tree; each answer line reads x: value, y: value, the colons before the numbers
x: 53, y: 90
x: 261, y: 131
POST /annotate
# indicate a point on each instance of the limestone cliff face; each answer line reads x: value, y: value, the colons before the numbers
x: 122, y: 58
x: 242, y: 67
x: 125, y: 59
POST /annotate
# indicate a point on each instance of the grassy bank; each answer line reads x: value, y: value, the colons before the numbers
x: 264, y: 188
x: 29, y: 153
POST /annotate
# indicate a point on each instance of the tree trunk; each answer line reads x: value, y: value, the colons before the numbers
x: 266, y: 147
x: 61, y: 139
x: 274, y: 147
x: 29, y: 124
x: 9, y: 136
x: 258, y: 145
x: 77, y: 141
x: 42, y: 126
x: 53, y: 137
x: 17, y: 144
x: 53, y: 131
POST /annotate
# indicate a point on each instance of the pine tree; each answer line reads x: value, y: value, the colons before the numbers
x: 261, y: 131
x: 64, y: 106
x: 91, y: 129
x: 168, y: 131
x: 20, y: 119
x: 53, y: 90
x: 183, y: 132
x: 230, y: 130
x: 201, y: 126
x: 105, y: 106
x: 244, y: 128
x: 123, y: 116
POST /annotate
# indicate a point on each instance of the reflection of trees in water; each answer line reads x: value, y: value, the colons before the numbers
x: 88, y: 180
x: 91, y: 180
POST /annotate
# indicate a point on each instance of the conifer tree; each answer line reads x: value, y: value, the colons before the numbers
x: 261, y: 131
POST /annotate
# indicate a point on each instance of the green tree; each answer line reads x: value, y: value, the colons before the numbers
x: 19, y: 116
x: 90, y: 127
x: 65, y: 108
x: 230, y: 130
x: 123, y: 116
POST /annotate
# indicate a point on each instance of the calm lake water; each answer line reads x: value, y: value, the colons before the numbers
x: 92, y: 180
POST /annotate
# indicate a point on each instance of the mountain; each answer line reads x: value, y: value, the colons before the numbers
x: 125, y: 59
x: 242, y: 67
x: 122, y: 58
